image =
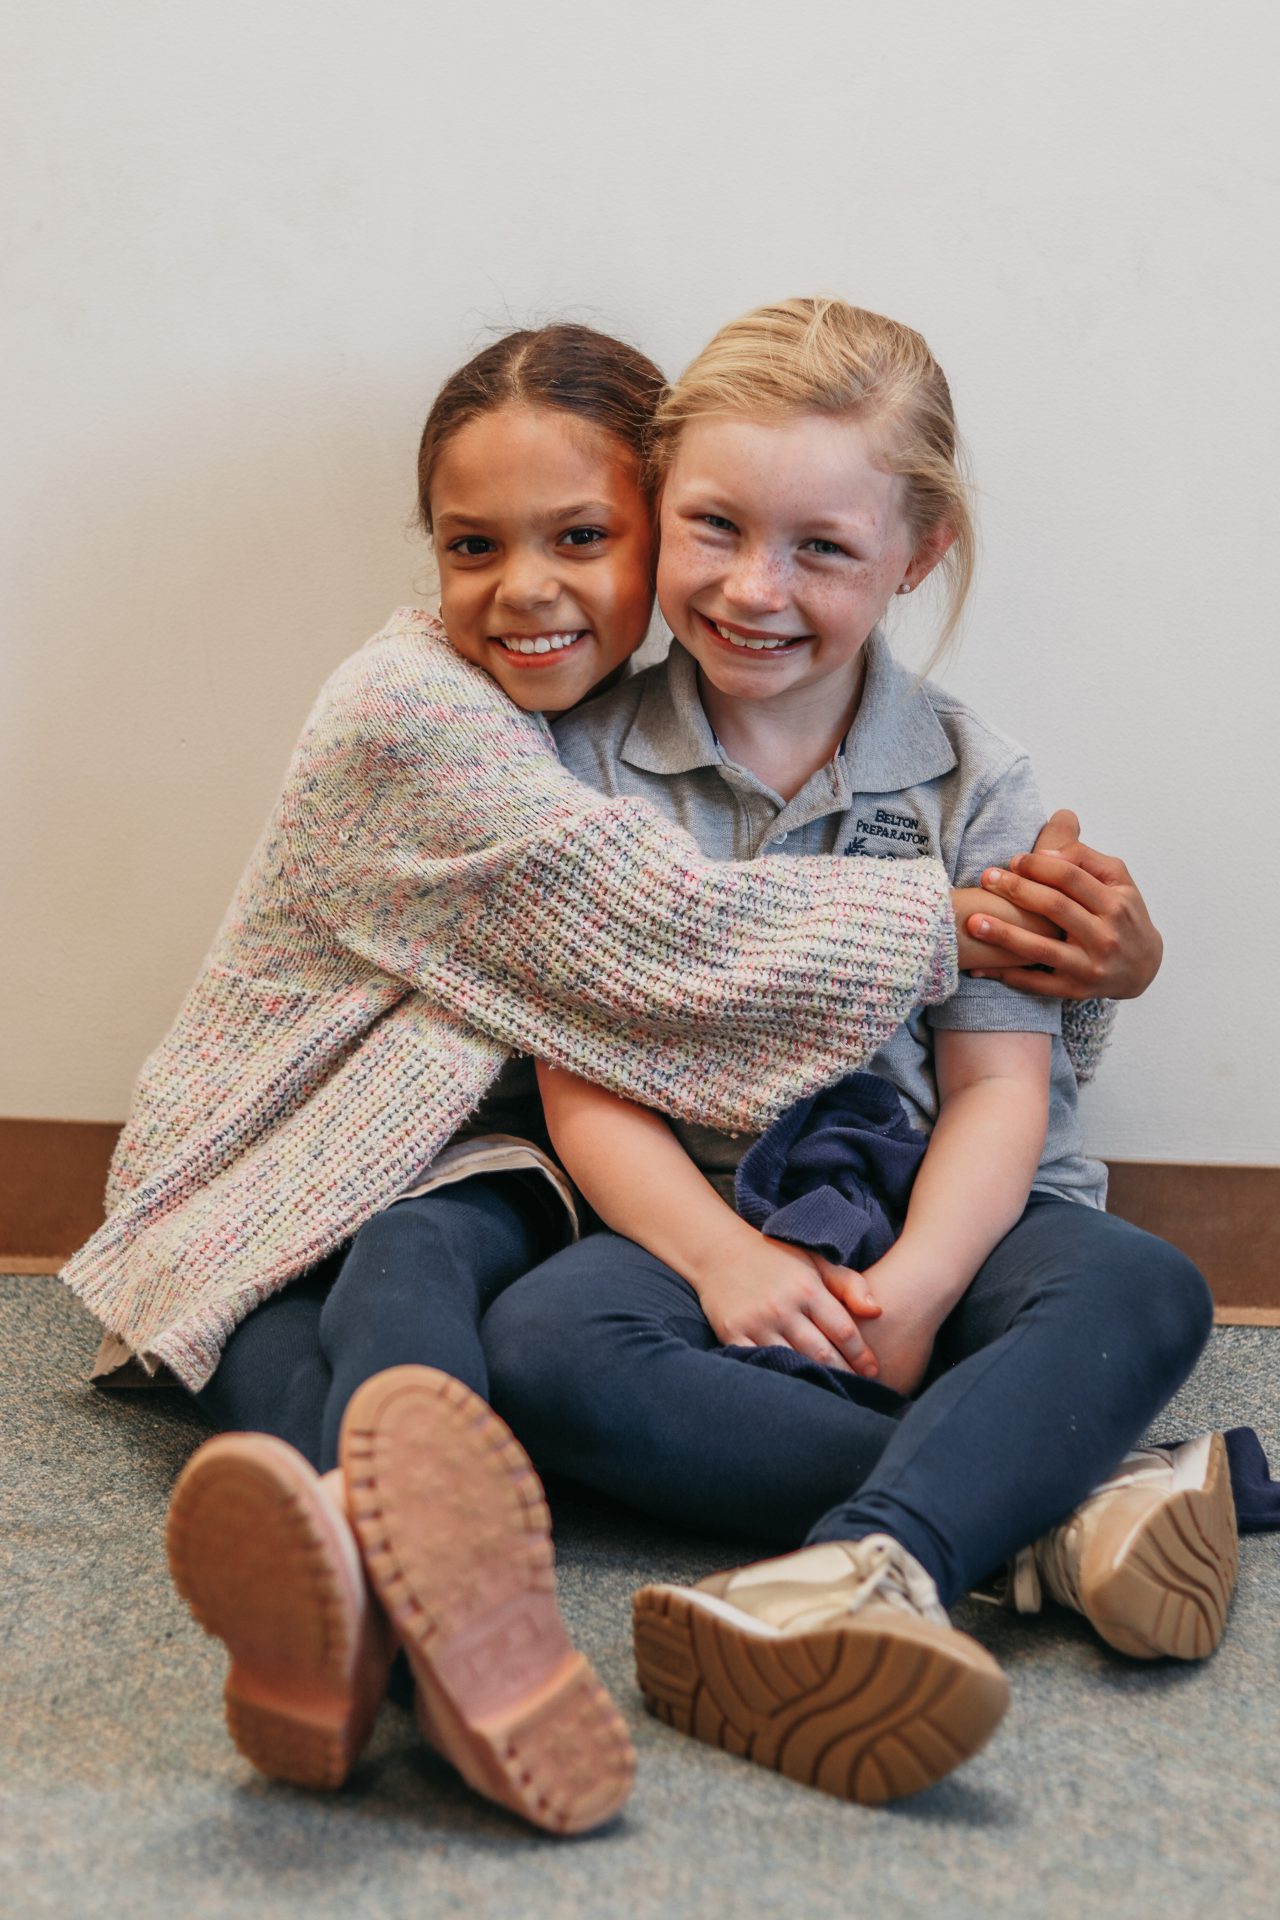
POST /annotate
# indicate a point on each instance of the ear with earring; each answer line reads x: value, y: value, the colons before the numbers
x: 905, y: 587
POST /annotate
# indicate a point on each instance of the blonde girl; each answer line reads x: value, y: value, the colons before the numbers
x: 1016, y: 1339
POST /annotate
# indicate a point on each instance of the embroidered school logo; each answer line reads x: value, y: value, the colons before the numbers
x: 893, y: 834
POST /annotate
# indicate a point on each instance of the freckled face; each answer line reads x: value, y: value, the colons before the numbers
x: 782, y: 543
x: 544, y: 541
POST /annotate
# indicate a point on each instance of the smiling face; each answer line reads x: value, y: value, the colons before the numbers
x: 782, y: 543
x: 544, y: 540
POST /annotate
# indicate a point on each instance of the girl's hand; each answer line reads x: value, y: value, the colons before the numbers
x: 1111, y: 949
x: 774, y: 1295
x: 984, y: 958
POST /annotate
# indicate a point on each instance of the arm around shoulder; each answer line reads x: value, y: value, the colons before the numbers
x: 434, y: 833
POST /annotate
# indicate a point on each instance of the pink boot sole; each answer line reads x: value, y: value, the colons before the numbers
x: 456, y: 1539
x: 268, y: 1566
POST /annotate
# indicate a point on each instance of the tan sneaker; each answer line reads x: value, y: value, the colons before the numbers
x: 269, y: 1566
x: 836, y: 1665
x: 1150, y: 1559
x: 457, y: 1543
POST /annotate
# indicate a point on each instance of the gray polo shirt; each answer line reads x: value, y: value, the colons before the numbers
x: 918, y: 774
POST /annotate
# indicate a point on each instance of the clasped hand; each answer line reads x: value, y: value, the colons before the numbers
x: 768, y: 1293
x: 771, y: 1294
x: 1069, y: 922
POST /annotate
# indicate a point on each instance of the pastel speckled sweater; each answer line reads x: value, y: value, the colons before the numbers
x: 433, y: 891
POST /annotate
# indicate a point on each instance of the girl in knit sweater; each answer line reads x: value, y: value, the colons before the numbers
x: 431, y: 895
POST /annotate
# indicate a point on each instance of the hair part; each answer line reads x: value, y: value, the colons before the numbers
x: 825, y: 356
x: 568, y: 367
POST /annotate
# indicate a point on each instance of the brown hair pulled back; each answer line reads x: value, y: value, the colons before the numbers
x: 566, y: 366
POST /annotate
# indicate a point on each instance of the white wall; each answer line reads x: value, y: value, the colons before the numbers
x: 249, y: 240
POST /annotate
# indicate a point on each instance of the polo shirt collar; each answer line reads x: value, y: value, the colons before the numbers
x: 670, y: 732
x: 896, y: 739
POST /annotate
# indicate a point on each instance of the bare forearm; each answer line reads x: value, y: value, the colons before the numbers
x: 972, y: 1185
x: 639, y: 1179
x: 971, y: 1188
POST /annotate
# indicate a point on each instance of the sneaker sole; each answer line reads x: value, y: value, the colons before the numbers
x: 457, y: 1544
x: 257, y: 1552
x: 1167, y: 1592
x: 857, y: 1711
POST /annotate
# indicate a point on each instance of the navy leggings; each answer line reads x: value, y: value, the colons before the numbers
x: 410, y: 1288
x: 1075, y: 1332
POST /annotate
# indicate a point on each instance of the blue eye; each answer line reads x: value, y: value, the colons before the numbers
x: 584, y: 536
x: 718, y: 521
x: 471, y: 546
x: 823, y: 546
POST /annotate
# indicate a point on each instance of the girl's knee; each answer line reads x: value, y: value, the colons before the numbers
x: 399, y: 1234
x: 1163, y: 1299
x: 575, y: 1329
x: 532, y: 1338
x: 1185, y: 1302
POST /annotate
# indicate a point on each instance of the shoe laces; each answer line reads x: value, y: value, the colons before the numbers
x: 892, y: 1577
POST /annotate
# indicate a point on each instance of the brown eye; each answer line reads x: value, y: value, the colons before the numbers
x: 584, y: 536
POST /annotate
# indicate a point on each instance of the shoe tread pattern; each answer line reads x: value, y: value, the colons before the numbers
x: 861, y: 1715
x: 1169, y: 1595
x: 256, y: 1572
x: 456, y: 1538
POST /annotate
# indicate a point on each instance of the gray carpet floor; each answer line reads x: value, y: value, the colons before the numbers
x: 1112, y: 1789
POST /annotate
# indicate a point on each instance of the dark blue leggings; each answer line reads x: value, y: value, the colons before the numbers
x: 410, y: 1288
x: 1074, y: 1333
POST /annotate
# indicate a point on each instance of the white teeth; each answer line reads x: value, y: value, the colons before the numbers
x: 753, y: 646
x: 537, y: 643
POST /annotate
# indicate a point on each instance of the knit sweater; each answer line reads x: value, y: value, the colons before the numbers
x: 432, y: 892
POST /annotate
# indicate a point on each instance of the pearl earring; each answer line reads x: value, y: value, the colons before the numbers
x: 905, y: 587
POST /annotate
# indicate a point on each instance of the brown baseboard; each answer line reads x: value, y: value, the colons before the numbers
x: 1227, y: 1219
x: 52, y: 1173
